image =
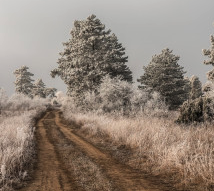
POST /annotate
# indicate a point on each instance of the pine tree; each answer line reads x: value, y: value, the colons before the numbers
x: 187, y: 87
x: 90, y: 54
x: 39, y: 89
x: 166, y: 76
x: 196, y: 88
x: 209, y: 52
x: 50, y: 92
x: 23, y: 83
x: 210, y: 61
x: 208, y: 89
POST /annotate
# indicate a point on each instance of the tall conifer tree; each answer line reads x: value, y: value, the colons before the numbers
x: 166, y: 76
x: 196, y: 87
x: 24, y: 82
x: 39, y: 89
x: 210, y: 61
x: 90, y: 54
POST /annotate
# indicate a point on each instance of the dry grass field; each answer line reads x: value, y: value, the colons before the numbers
x: 17, y: 141
x: 182, y: 155
x: 153, y: 149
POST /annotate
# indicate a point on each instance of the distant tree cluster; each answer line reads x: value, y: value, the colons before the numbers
x: 93, y: 65
x: 25, y: 85
x: 200, y: 107
x: 93, y: 53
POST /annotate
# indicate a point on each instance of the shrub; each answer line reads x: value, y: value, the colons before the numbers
x: 115, y: 97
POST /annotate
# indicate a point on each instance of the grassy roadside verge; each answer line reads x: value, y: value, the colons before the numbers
x: 17, y: 141
x: 176, y: 155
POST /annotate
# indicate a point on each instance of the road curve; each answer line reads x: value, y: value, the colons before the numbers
x: 51, y: 173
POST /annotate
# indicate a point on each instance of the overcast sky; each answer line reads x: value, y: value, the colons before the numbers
x: 32, y: 32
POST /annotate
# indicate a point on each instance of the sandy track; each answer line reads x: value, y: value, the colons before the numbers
x: 51, y: 174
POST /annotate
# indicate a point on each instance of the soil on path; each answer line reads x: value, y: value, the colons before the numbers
x: 52, y: 174
x: 49, y: 174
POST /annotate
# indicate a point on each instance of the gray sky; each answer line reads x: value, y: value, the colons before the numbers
x: 32, y: 32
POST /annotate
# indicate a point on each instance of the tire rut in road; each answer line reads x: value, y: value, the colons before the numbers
x: 85, y: 172
x: 49, y: 174
x: 67, y: 162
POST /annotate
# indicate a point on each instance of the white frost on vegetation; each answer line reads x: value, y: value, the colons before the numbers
x: 17, y: 115
x: 167, y: 146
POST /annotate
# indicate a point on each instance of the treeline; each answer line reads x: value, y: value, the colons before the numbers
x: 27, y: 86
x: 93, y: 65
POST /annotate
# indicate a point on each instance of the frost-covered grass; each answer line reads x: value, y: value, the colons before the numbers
x: 17, y: 146
x: 185, y: 154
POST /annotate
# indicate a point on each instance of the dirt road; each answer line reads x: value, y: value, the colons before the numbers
x: 48, y: 175
x: 56, y: 170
